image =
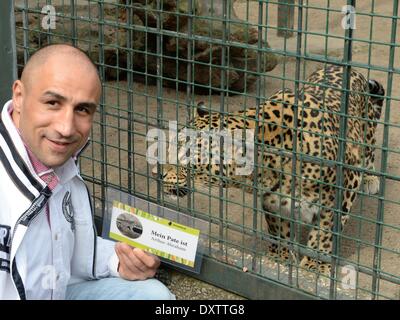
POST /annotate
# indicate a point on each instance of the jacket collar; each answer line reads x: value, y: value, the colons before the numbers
x: 15, y: 159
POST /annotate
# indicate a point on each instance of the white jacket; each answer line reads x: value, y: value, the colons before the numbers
x: 79, y: 253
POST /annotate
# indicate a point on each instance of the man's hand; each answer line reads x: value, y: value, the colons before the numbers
x: 134, y: 263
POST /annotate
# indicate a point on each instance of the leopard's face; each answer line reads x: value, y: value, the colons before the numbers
x: 203, y: 160
x: 174, y: 180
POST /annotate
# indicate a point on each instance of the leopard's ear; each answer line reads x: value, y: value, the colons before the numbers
x: 202, y: 109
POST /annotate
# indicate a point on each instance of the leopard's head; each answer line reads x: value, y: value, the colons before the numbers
x: 174, y: 179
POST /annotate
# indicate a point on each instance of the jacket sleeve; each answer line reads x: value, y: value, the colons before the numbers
x: 95, y: 261
x: 106, y: 259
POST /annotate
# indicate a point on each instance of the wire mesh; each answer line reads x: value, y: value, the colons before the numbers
x: 159, y: 58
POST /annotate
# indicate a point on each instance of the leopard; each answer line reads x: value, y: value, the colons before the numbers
x: 301, y: 153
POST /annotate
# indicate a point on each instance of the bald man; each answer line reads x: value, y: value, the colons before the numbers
x: 48, y: 245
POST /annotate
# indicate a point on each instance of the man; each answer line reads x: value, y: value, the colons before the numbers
x: 48, y: 245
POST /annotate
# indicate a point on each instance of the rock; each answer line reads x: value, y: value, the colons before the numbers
x: 129, y: 42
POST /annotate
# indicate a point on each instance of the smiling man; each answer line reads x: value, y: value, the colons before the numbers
x: 48, y: 245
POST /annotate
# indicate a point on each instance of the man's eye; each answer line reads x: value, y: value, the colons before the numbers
x: 52, y: 102
x: 83, y: 109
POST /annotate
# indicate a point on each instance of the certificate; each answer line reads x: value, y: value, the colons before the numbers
x: 162, y: 237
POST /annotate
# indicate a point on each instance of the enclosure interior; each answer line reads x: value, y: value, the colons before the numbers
x: 159, y: 59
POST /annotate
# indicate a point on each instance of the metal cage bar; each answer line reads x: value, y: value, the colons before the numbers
x: 8, y: 51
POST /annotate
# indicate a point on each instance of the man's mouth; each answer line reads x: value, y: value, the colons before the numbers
x: 59, y: 146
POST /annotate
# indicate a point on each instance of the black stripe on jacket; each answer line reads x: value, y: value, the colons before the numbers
x: 17, y: 157
x: 18, y: 183
x: 18, y: 281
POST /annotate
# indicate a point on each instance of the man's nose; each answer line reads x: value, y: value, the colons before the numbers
x: 65, y: 122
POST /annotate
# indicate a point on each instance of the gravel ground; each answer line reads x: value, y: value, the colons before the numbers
x: 188, y: 288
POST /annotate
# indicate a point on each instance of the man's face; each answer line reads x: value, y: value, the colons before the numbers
x: 54, y: 111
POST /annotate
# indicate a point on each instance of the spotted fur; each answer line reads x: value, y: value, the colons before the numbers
x: 316, y: 133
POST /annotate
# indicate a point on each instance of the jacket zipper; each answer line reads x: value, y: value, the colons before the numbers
x: 94, y: 235
x: 23, y: 216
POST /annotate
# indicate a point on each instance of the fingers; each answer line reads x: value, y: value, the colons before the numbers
x: 142, y: 259
x: 129, y: 258
x: 128, y: 268
x: 136, y: 264
x: 149, y: 260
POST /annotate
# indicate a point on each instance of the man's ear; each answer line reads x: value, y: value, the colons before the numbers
x: 18, y: 95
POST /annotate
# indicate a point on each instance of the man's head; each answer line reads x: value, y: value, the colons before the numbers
x: 55, y: 101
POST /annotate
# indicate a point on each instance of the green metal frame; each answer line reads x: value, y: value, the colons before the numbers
x: 8, y: 56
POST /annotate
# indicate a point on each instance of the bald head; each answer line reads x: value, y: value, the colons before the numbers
x: 55, y: 101
x: 62, y: 54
